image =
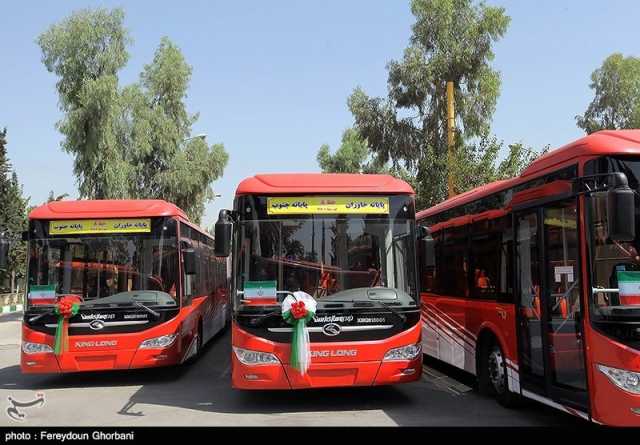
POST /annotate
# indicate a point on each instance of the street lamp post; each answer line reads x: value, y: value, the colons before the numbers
x: 197, y: 136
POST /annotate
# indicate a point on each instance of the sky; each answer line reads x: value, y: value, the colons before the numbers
x: 271, y: 79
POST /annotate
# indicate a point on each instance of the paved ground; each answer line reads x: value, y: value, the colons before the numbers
x: 200, y: 394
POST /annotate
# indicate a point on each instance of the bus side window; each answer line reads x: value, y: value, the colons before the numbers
x: 454, y: 267
x: 491, y: 258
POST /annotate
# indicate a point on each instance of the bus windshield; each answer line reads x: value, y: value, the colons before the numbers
x: 615, y: 267
x: 120, y: 269
x: 328, y: 256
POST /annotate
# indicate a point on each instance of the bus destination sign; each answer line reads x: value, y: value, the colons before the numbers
x: 327, y: 205
x: 90, y: 226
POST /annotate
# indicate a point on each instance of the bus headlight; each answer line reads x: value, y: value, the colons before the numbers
x: 627, y: 380
x: 163, y: 341
x: 248, y: 357
x: 408, y: 352
x: 35, y: 348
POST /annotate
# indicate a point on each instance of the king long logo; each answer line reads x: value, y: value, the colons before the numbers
x: 331, y: 329
x: 96, y: 325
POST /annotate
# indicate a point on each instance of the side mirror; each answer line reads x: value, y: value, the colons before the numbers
x: 223, y: 233
x: 621, y: 220
x: 4, y: 252
x: 189, y: 261
x: 427, y: 246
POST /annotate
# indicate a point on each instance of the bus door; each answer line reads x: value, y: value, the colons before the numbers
x: 551, y: 350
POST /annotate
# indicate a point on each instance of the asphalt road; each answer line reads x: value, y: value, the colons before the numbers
x: 200, y: 395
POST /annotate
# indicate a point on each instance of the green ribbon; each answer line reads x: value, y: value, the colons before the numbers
x: 298, y: 331
x: 61, y: 342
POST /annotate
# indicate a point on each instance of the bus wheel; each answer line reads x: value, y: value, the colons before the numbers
x: 493, y: 375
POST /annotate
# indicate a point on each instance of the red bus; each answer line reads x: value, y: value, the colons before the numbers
x: 533, y: 283
x: 147, y: 286
x: 347, y: 244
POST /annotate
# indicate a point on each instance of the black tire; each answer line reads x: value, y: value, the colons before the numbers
x: 492, y: 375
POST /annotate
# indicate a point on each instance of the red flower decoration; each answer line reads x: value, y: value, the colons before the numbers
x: 65, y: 307
x: 298, y: 310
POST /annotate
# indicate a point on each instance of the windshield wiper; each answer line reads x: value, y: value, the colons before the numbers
x: 39, y: 316
x: 395, y: 311
x: 146, y: 308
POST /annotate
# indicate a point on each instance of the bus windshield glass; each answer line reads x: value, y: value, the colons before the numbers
x: 326, y: 256
x: 615, y: 267
x: 110, y: 269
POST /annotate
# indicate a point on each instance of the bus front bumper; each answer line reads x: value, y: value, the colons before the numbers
x: 330, y: 365
x: 323, y: 375
x: 82, y: 356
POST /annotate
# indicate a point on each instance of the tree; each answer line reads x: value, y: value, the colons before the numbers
x: 616, y: 104
x: 479, y: 165
x: 86, y: 51
x: 164, y: 166
x: 127, y: 142
x: 13, y: 217
x: 352, y: 157
x: 451, y: 40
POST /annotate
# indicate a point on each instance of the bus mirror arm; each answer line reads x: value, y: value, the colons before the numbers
x: 189, y: 261
x: 621, y: 222
x: 223, y: 233
x: 427, y: 246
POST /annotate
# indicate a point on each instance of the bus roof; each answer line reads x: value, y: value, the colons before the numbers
x: 107, y: 208
x: 601, y: 143
x: 340, y: 183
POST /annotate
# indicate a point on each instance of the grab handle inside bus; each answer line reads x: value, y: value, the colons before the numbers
x: 223, y: 231
x: 621, y: 222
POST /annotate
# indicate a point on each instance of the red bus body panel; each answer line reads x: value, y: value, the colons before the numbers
x: 106, y: 208
x: 125, y: 354
x: 365, y: 368
x: 451, y: 326
x: 321, y: 183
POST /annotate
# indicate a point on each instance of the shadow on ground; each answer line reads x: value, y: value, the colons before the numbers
x: 205, y: 386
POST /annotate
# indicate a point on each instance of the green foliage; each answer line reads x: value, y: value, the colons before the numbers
x: 451, y: 40
x: 13, y: 215
x: 352, y: 157
x: 478, y: 164
x: 616, y: 104
x: 86, y: 51
x: 132, y: 141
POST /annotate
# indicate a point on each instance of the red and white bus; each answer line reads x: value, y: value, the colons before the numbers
x: 533, y: 283
x: 345, y: 242
x: 146, y: 287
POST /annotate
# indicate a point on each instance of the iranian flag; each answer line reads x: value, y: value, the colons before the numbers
x: 260, y: 292
x: 629, y: 287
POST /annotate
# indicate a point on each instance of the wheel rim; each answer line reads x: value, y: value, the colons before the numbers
x: 497, y: 370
